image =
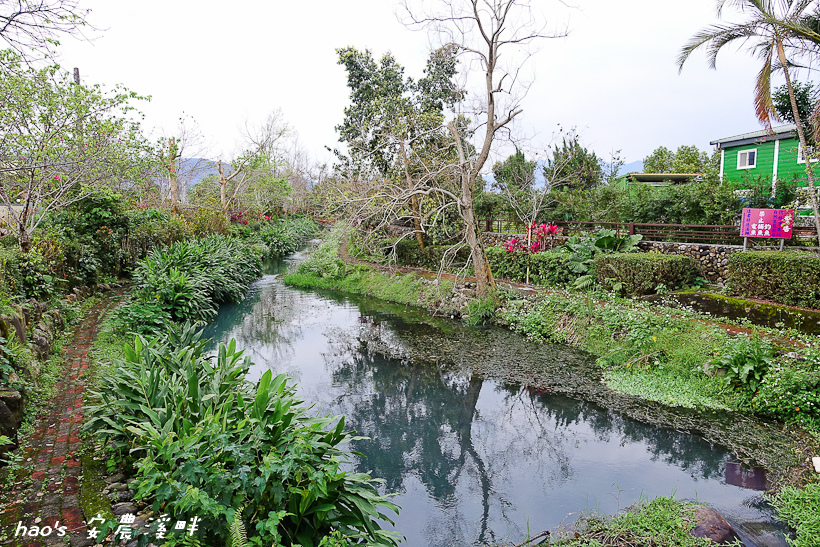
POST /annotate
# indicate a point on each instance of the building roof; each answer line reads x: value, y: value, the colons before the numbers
x: 756, y: 137
x: 662, y: 177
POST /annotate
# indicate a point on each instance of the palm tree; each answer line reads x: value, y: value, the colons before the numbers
x: 772, y: 27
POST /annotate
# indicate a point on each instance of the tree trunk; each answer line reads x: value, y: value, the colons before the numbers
x: 472, y: 232
x: 799, y: 123
x: 223, y: 190
x: 414, y: 199
x: 483, y: 273
x: 25, y: 239
x: 173, y: 189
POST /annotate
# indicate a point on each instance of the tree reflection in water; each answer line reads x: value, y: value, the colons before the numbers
x: 425, y: 421
x: 474, y: 460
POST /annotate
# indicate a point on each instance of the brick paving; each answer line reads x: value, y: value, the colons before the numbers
x: 51, y: 497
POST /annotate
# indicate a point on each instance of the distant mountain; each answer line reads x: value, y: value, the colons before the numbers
x: 195, y: 170
x: 633, y: 167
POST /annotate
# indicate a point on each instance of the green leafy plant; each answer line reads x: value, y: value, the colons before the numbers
x: 790, y: 392
x: 746, y: 361
x: 204, y: 441
x: 583, y: 249
x: 481, y: 310
x: 190, y: 278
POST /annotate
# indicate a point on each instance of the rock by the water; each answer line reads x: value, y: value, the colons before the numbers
x: 710, y: 524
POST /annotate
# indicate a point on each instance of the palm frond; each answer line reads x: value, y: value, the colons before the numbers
x: 764, y: 107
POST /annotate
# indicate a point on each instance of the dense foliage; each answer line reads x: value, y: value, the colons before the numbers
x: 644, y: 273
x: 277, y: 236
x: 687, y: 159
x: 550, y: 269
x: 791, y: 278
x: 188, y: 280
x: 431, y: 257
x: 801, y: 509
x: 207, y: 442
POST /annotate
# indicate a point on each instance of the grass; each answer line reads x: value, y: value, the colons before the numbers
x: 668, y: 387
x: 409, y: 289
x: 662, y: 522
x: 800, y: 509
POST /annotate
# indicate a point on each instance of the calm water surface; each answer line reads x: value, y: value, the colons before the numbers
x: 473, y: 460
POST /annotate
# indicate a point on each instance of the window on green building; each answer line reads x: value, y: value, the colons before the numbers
x: 801, y: 158
x: 747, y: 159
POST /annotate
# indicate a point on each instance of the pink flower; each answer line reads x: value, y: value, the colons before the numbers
x: 57, y: 177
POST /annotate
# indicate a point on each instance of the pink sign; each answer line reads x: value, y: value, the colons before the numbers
x: 776, y: 223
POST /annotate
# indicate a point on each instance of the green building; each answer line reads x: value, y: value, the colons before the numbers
x: 770, y: 155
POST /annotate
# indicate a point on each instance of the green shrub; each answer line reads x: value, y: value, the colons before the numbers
x: 550, y: 269
x: 790, y: 393
x: 282, y: 236
x: 408, y: 253
x: 189, y: 279
x: 27, y: 275
x: 324, y: 261
x: 209, y: 443
x: 140, y: 317
x: 791, y: 278
x: 746, y: 361
x: 641, y: 273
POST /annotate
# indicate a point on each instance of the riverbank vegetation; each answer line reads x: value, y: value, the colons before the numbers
x: 246, y: 459
x: 688, y: 362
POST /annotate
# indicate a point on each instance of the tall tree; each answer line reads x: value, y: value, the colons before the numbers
x: 771, y: 28
x: 59, y: 141
x: 806, y: 97
x: 255, y: 165
x: 391, y: 119
x: 687, y: 159
x: 659, y: 161
x: 483, y: 31
x: 573, y: 166
x: 514, y: 173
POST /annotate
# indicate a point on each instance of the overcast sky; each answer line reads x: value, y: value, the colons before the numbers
x: 614, y: 77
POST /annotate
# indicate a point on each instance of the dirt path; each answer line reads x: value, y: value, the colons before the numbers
x: 47, y: 492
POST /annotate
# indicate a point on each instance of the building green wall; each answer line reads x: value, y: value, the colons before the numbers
x: 787, y: 166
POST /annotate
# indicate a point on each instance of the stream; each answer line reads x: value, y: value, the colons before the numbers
x: 474, y: 460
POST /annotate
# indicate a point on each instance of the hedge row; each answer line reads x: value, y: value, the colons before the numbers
x: 791, y: 278
x: 408, y: 253
x: 546, y: 268
x: 642, y: 273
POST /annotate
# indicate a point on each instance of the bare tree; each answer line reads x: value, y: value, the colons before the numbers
x: 35, y: 26
x: 182, y: 157
x: 481, y: 30
x: 263, y: 144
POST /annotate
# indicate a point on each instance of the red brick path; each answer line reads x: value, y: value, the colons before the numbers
x: 51, y: 458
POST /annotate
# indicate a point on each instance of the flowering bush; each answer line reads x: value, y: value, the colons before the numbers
x: 790, y: 393
x: 541, y: 238
x: 236, y: 218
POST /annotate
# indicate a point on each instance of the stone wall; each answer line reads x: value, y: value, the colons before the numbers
x: 31, y: 324
x: 713, y: 259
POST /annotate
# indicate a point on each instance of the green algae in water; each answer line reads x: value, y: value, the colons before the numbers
x: 758, y: 313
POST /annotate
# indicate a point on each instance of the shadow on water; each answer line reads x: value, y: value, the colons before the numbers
x: 473, y: 458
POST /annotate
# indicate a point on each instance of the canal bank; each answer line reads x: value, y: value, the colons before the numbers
x: 783, y: 449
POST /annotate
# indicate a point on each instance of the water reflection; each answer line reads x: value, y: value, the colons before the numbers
x: 473, y: 460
